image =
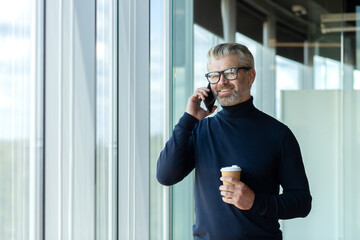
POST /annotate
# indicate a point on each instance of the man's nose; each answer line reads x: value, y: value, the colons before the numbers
x: 223, y: 79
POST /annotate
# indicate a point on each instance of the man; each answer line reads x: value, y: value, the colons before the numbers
x: 265, y: 149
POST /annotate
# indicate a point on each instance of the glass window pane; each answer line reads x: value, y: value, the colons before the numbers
x: 357, y: 79
x: 255, y: 48
x: 182, y: 84
x: 159, y: 195
x: 327, y: 73
x: 287, y: 78
x: 106, y: 120
x: 21, y: 131
x: 203, y: 41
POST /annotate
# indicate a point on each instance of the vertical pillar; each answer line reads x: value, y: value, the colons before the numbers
x: 268, y: 81
x: 228, y: 14
x: 357, y: 39
x: 307, y: 73
x: 70, y: 120
x: 134, y: 119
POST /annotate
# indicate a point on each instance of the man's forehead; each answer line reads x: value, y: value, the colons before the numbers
x: 224, y: 62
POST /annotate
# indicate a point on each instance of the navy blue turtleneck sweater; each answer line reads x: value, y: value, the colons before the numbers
x: 269, y: 156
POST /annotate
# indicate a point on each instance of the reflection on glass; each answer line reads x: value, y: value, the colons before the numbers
x: 327, y: 73
x: 287, y: 78
x: 255, y: 48
x: 21, y: 117
x: 106, y: 123
x: 203, y: 41
x: 182, y: 84
x: 357, y: 79
x: 158, y: 194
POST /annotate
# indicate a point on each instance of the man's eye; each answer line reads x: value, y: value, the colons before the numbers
x: 214, y: 76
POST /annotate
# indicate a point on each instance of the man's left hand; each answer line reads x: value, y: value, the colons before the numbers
x: 239, y: 195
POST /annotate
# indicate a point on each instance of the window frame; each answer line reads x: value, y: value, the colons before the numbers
x: 70, y: 93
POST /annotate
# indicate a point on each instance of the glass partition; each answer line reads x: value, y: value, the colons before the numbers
x: 288, y: 77
x: 326, y: 73
x: 356, y: 77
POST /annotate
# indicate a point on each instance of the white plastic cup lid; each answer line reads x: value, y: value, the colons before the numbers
x: 232, y: 168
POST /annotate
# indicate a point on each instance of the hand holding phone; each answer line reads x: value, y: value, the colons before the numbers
x: 209, y: 100
x: 193, y: 105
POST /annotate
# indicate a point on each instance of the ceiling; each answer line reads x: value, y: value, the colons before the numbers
x: 296, y: 21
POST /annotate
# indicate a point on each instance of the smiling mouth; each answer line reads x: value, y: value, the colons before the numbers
x: 225, y: 90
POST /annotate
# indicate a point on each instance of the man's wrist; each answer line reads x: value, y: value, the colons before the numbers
x: 259, y: 203
x: 188, y: 121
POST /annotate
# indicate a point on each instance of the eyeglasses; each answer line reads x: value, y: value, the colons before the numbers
x: 229, y: 74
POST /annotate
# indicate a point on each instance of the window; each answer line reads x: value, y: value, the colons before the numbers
x: 106, y: 120
x: 21, y: 131
x: 327, y: 73
x: 203, y: 41
x: 287, y: 78
x: 159, y: 195
x: 256, y: 50
x: 357, y: 79
x: 182, y: 194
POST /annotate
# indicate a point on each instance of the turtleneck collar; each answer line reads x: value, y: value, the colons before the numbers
x: 239, y: 110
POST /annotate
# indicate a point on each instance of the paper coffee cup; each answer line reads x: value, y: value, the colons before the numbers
x: 233, y: 171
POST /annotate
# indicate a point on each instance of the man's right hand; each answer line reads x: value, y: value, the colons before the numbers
x: 193, y: 104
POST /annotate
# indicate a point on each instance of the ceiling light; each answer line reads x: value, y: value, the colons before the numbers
x: 298, y: 10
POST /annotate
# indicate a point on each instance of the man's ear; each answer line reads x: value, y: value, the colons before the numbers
x: 252, y: 74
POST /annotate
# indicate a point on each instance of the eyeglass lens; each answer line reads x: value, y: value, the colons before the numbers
x: 229, y: 74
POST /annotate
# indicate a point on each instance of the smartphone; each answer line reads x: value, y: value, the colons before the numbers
x: 209, y: 100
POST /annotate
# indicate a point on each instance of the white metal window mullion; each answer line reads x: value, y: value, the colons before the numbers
x: 114, y: 136
x: 124, y: 119
x: 134, y: 119
x: 69, y: 120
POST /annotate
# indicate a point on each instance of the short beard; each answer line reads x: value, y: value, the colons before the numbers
x: 227, y: 101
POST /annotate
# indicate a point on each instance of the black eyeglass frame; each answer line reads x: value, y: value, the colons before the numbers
x: 222, y: 72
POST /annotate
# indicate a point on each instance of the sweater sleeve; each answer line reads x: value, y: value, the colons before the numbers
x: 176, y: 160
x: 295, y: 201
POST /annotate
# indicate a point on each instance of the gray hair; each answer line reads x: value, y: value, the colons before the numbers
x: 226, y: 49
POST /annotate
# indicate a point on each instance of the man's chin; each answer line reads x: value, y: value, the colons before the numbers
x: 226, y: 102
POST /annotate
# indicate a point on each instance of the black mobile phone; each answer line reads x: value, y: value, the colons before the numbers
x: 209, y: 100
